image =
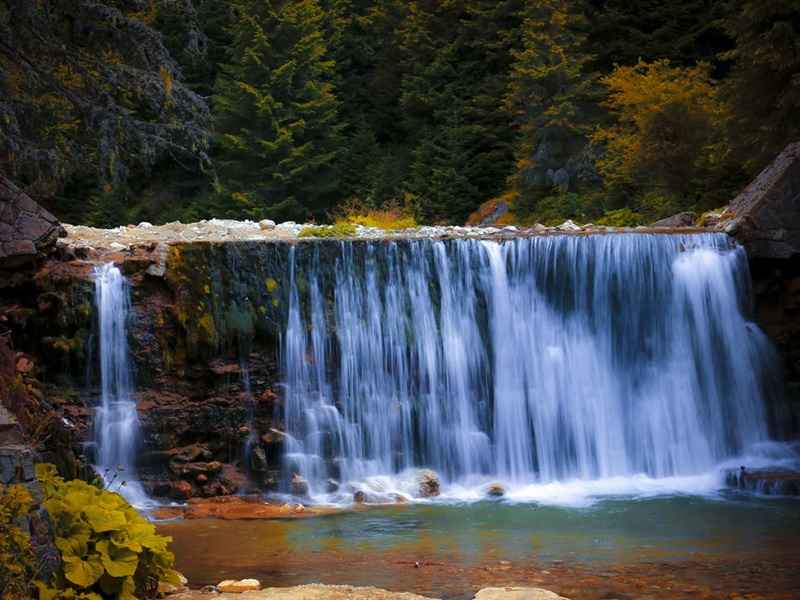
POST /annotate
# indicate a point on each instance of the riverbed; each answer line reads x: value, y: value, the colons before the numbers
x: 726, y: 546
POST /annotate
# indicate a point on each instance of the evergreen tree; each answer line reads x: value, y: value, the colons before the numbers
x: 763, y: 90
x: 456, y: 57
x: 277, y: 115
x: 548, y: 96
x: 438, y: 182
x: 621, y: 32
x: 361, y: 37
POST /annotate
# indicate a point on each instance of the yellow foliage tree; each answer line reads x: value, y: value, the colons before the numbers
x: 667, y: 133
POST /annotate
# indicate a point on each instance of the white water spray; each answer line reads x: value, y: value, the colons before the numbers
x: 540, y: 362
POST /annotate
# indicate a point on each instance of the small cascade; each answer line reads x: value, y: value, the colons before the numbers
x: 252, y: 455
x: 531, y: 361
x: 116, y: 424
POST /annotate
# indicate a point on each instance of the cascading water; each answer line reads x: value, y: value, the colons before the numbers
x: 534, y: 361
x: 116, y: 422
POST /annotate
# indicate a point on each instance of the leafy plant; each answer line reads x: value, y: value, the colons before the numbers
x: 107, y: 549
x: 17, y: 561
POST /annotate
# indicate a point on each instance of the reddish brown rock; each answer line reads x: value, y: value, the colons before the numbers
x: 244, y: 508
x: 182, y: 490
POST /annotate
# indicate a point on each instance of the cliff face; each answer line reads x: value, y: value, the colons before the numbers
x: 765, y: 219
x: 190, y: 324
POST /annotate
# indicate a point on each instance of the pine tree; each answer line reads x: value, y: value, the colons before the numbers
x: 442, y: 190
x: 548, y: 95
x: 456, y: 57
x: 621, y: 32
x: 277, y: 113
x: 763, y: 89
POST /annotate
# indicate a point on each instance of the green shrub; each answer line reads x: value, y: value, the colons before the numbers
x: 17, y: 562
x: 622, y: 217
x: 108, y: 550
x: 329, y: 231
x: 555, y: 209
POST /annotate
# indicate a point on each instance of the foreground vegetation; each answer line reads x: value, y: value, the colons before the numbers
x: 596, y: 110
x: 105, y: 548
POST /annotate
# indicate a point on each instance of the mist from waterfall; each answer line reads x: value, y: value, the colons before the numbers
x: 116, y: 422
x: 608, y: 362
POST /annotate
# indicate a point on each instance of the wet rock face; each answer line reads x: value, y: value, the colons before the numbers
x: 765, y: 217
x: 26, y: 229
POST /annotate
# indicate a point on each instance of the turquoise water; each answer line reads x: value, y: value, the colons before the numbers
x: 444, y: 549
x: 610, y: 531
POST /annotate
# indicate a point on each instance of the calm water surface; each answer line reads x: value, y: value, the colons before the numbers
x: 659, y: 547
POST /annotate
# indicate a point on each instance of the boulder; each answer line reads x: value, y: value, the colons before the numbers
x: 495, y: 490
x: 427, y: 483
x: 299, y: 485
x: 26, y: 229
x: 16, y: 464
x: 258, y: 460
x: 517, y: 593
x: 682, y: 219
x: 765, y: 217
x: 195, y: 468
x: 182, y: 490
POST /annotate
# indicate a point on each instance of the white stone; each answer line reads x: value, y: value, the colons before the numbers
x: 231, y: 586
x: 517, y: 593
x: 568, y: 225
x: 117, y: 246
x: 266, y: 224
x: 145, y: 225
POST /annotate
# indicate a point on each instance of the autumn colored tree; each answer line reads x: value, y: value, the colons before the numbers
x: 667, y: 136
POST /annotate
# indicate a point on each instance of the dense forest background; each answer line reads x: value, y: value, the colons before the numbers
x: 612, y: 111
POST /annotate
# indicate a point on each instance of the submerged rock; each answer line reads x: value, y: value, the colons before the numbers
x: 770, y: 482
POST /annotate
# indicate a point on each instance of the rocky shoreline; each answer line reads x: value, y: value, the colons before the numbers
x: 85, y: 240
x: 346, y: 592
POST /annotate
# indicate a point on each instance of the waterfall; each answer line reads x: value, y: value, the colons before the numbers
x: 530, y: 361
x: 116, y: 419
